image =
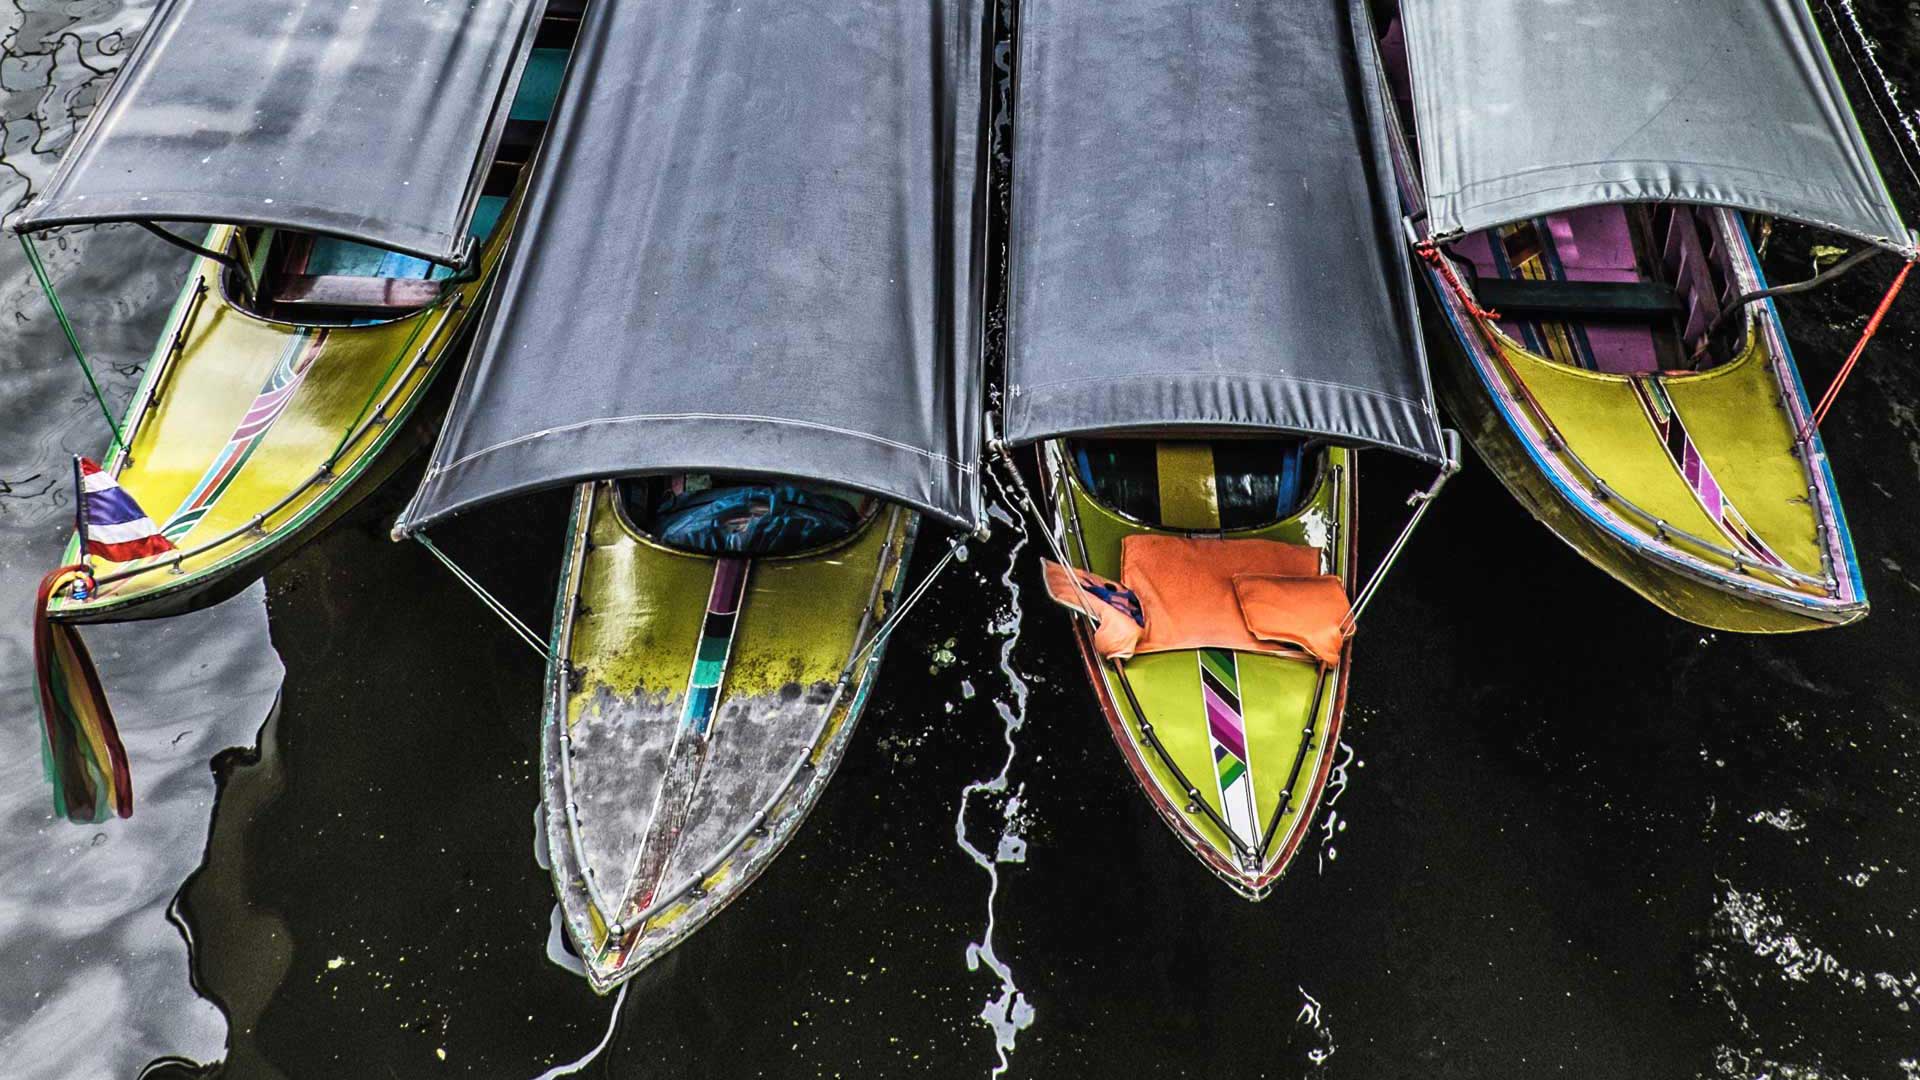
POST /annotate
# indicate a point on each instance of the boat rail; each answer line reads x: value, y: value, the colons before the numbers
x: 1663, y: 530
x: 176, y: 345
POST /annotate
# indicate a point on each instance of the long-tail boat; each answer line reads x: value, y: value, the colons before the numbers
x: 744, y: 318
x: 1210, y: 310
x: 359, y: 165
x: 1581, y: 192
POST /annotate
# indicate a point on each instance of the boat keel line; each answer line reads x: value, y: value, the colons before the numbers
x: 687, y: 757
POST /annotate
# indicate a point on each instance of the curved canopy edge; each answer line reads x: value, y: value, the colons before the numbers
x: 1524, y: 110
x: 372, y: 122
x: 1206, y: 229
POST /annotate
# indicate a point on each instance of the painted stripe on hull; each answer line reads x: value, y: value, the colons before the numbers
x: 302, y: 349
x: 687, y: 757
x: 1685, y: 455
x: 1227, y: 735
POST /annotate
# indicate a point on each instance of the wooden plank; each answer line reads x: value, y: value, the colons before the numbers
x: 340, y: 290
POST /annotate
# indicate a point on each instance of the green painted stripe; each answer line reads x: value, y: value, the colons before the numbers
x: 708, y: 672
x: 713, y: 649
x: 1234, y: 772
x: 1220, y: 663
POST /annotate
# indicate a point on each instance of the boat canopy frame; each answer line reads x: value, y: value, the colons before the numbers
x: 791, y: 286
x: 1723, y: 103
x: 1187, y: 256
x: 368, y: 122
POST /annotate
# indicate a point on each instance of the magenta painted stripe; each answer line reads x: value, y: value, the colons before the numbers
x: 1710, y: 495
x: 1690, y: 467
x: 725, y: 598
x: 1225, y: 724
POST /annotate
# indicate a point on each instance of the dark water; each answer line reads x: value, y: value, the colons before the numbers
x: 1575, y: 838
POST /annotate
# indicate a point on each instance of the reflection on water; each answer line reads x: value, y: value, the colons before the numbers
x: 1586, y: 839
x: 96, y: 979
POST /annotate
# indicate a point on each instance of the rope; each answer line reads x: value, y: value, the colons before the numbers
x: 73, y: 339
x: 954, y: 548
x: 1846, y: 369
x: 1029, y: 510
x: 1431, y: 252
x: 521, y: 629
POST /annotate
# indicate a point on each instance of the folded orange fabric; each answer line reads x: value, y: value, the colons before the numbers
x: 1304, y: 612
x: 1185, y: 585
x: 1115, y: 634
x: 1257, y: 596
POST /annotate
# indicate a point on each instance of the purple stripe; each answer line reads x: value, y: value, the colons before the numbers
x: 112, y: 507
x: 725, y: 598
x: 1225, y: 725
x: 1710, y: 494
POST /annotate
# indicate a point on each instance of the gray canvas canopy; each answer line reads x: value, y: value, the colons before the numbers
x: 363, y: 119
x: 1526, y: 108
x: 1205, y: 231
x: 750, y: 248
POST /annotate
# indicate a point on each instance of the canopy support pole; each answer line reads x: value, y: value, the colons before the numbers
x: 225, y: 259
x: 1846, y: 369
x: 520, y: 629
x: 956, y: 549
x: 73, y: 339
x: 998, y: 448
x: 1421, y: 501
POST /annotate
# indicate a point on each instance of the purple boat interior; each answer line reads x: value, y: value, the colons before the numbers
x: 1666, y: 244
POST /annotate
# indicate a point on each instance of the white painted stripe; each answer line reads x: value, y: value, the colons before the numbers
x: 137, y: 529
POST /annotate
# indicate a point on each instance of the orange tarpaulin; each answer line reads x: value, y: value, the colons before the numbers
x: 1259, y: 596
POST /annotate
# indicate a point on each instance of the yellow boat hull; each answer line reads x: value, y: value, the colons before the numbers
x: 660, y: 810
x: 1245, y: 825
x: 248, y: 436
x: 1758, y: 546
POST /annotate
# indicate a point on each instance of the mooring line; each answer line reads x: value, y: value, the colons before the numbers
x: 1893, y: 95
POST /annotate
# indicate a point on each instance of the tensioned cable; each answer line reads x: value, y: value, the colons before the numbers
x: 521, y: 629
x: 954, y: 548
x: 73, y: 339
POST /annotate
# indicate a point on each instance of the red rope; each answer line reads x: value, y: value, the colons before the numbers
x: 1431, y: 252
x: 1846, y: 369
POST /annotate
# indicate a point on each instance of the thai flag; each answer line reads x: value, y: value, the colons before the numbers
x: 112, y: 525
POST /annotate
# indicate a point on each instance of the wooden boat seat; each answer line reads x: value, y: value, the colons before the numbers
x: 355, y: 291
x: 1584, y: 301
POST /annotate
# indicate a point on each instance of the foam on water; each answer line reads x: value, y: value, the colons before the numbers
x: 1333, y: 824
x: 1008, y: 1013
x: 573, y: 1067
